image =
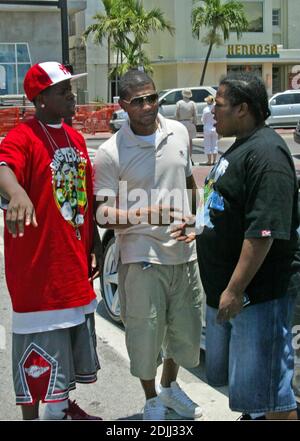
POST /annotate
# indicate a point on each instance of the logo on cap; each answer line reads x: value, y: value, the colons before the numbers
x: 43, y: 75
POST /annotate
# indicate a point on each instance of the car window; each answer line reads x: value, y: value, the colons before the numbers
x: 297, y: 98
x: 199, y: 95
x: 172, y: 97
x: 287, y: 98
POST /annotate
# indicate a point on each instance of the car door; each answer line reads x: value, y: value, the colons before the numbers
x: 167, y: 106
x: 296, y: 108
x: 283, y: 110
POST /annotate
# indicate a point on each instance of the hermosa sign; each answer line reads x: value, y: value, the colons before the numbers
x: 252, y: 50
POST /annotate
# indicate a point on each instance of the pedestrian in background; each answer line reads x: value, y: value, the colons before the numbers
x: 186, y: 113
x: 209, y: 131
x: 159, y: 285
x: 249, y: 256
x: 50, y: 246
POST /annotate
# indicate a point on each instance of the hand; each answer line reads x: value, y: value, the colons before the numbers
x: 20, y: 210
x: 160, y: 215
x: 96, y: 256
x: 179, y: 232
x: 96, y: 265
x: 231, y: 303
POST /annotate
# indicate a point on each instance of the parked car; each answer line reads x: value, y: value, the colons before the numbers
x: 167, y: 105
x: 297, y: 133
x: 109, y: 281
x: 285, y: 109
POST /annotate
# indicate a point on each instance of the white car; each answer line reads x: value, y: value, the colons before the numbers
x: 285, y: 109
x: 167, y: 105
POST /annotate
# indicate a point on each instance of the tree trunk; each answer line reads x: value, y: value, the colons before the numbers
x: 116, y: 76
x: 108, y: 69
x: 206, y: 63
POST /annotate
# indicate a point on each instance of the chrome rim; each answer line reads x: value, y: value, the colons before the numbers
x: 110, y: 282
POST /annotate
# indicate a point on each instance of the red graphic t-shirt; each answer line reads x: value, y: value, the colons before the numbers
x: 48, y: 268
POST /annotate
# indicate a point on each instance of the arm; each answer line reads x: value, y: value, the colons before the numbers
x: 96, y: 255
x: 112, y: 217
x: 20, y: 208
x: 251, y: 258
x: 185, y: 232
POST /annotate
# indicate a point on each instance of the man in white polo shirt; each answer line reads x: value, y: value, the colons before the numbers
x: 146, y: 163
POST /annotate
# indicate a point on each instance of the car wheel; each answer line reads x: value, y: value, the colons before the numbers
x: 109, y: 282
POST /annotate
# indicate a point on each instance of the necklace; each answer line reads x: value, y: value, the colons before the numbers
x: 55, y: 147
x: 50, y: 138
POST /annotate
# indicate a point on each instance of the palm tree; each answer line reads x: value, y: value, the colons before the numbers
x: 141, y: 22
x: 110, y: 26
x: 133, y: 56
x: 218, y: 18
x: 126, y: 24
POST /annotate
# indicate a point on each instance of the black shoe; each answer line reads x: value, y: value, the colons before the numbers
x: 247, y: 417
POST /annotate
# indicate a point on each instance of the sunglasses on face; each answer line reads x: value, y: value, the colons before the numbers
x: 139, y: 101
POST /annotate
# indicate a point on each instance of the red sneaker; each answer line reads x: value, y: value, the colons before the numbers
x: 74, y: 412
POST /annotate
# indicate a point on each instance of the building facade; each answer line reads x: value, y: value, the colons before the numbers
x: 270, y: 47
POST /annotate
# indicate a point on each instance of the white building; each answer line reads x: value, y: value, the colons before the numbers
x: 270, y: 48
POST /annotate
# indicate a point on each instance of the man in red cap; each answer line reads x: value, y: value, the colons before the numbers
x: 50, y: 249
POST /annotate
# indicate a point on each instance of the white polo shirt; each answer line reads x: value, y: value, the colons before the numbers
x: 157, y: 169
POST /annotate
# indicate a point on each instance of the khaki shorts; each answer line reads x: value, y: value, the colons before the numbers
x: 47, y: 365
x: 161, y: 309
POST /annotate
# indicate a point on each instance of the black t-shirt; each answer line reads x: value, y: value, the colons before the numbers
x: 251, y: 193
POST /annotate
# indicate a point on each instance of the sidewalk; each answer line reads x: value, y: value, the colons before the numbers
x: 98, y: 135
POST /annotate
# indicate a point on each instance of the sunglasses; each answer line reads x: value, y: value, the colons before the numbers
x: 139, y: 101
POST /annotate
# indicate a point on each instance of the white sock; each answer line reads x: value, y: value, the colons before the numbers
x: 55, y: 411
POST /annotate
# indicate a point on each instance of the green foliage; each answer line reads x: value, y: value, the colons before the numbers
x: 125, y: 26
x: 218, y: 19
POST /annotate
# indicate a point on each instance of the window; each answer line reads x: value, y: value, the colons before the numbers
x: 284, y: 99
x: 172, y: 98
x: 14, y: 63
x: 276, y: 17
x: 199, y: 95
x: 254, y: 14
x: 252, y: 68
x: 297, y: 98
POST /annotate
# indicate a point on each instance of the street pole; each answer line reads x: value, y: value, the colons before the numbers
x: 62, y: 4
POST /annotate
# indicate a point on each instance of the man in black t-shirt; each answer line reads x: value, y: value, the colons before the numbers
x: 249, y: 256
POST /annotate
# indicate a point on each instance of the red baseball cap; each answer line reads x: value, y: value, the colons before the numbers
x: 43, y: 75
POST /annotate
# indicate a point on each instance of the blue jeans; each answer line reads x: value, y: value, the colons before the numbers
x: 253, y: 354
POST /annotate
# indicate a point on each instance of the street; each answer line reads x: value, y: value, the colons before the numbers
x: 117, y: 395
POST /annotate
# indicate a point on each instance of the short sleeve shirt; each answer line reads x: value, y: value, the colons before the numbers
x: 48, y: 268
x: 142, y: 174
x: 251, y: 193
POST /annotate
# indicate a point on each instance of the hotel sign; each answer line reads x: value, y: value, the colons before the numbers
x: 252, y: 51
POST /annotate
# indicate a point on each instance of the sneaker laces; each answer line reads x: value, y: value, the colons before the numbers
x: 181, y: 397
x: 75, y: 409
x: 154, y: 407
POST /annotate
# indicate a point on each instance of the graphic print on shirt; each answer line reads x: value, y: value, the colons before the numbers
x: 212, y: 199
x: 69, y: 184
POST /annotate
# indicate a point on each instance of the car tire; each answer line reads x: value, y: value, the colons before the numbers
x: 109, y: 282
